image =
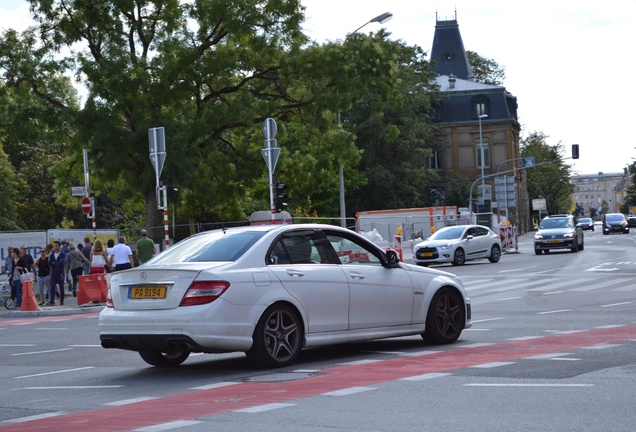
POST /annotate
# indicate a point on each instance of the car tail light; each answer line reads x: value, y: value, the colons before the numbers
x: 109, y: 299
x: 202, y: 292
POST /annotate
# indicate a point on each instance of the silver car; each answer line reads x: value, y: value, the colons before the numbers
x: 272, y: 290
x: 458, y: 244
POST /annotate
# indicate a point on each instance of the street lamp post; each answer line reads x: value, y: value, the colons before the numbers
x: 343, y: 214
x: 481, y: 150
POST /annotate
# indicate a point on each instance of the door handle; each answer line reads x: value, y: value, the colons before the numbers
x: 357, y: 275
x: 295, y: 273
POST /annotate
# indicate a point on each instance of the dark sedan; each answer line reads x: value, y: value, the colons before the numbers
x: 631, y: 221
x: 586, y: 224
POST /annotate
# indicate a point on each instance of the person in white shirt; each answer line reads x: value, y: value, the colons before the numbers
x: 122, y: 256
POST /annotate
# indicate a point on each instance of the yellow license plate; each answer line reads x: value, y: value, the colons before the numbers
x: 426, y: 254
x: 147, y: 292
x: 554, y: 241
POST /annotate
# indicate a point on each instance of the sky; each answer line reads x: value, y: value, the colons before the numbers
x: 564, y: 60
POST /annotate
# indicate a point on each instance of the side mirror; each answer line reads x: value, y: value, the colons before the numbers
x: 392, y: 258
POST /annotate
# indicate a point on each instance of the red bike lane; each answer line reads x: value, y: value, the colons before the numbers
x: 203, y: 403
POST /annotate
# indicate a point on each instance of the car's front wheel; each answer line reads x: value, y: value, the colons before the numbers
x: 537, y: 251
x: 164, y: 359
x: 277, y: 338
x: 446, y: 317
x: 495, y: 254
x: 459, y: 258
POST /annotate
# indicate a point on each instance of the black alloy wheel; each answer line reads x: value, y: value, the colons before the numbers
x: 459, y: 258
x: 495, y: 254
x: 277, y: 337
x: 446, y: 317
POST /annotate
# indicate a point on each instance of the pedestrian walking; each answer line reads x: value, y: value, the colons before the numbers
x: 122, y: 258
x: 17, y: 269
x: 75, y: 265
x: 8, y: 261
x: 86, y: 251
x: 28, y: 258
x: 98, y: 257
x: 57, y: 262
x: 110, y: 244
x: 43, y: 271
x: 145, y: 248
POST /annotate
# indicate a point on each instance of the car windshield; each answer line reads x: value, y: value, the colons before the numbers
x: 216, y: 246
x: 448, y: 233
x: 552, y: 223
x: 614, y: 218
x: 585, y: 220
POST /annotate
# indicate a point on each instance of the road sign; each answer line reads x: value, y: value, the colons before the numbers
x: 275, y: 153
x: 157, y: 141
x: 86, y: 205
x: 270, y: 128
x: 78, y: 190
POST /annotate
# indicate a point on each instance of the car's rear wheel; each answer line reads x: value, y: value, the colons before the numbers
x: 277, y: 338
x: 575, y: 246
x: 446, y: 317
x: 164, y: 359
x: 495, y: 254
x: 459, y: 258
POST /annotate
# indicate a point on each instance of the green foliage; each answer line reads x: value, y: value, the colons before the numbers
x: 630, y: 195
x: 486, y: 70
x: 552, y: 180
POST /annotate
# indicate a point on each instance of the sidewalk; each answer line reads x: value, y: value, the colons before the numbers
x: 70, y: 308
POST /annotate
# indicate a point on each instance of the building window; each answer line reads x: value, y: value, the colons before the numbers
x: 486, y: 144
x: 435, y: 161
x: 480, y: 105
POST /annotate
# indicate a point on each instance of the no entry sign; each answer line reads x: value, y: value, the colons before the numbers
x: 86, y: 205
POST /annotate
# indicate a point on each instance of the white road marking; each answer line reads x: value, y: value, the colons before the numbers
x: 420, y: 353
x: 358, y: 362
x: 492, y: 365
x: 527, y: 385
x: 16, y: 345
x: 554, y: 311
x: 167, y: 426
x: 604, y: 346
x: 348, y: 391
x: 42, y: 352
x: 486, y: 320
x: 425, y: 376
x: 72, y: 387
x: 524, y: 338
x: 261, y: 408
x: 55, y: 372
x: 130, y: 401
x: 547, y: 356
x: 616, y: 304
x: 215, y: 385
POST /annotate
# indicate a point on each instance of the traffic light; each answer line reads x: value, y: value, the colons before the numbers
x: 279, y: 194
x: 575, y: 151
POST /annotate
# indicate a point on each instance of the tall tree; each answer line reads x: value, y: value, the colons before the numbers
x: 552, y: 179
x: 486, y: 70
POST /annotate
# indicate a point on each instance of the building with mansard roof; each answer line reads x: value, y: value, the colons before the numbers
x: 458, y: 153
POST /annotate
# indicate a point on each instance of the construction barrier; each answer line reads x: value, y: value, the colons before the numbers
x: 398, y: 245
x: 93, y: 288
x: 29, y: 303
x: 508, y: 237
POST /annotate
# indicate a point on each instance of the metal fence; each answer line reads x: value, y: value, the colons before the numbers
x: 180, y: 232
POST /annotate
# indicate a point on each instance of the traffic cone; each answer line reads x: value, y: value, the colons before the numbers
x: 29, y: 303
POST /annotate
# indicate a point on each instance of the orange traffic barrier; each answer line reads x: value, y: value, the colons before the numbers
x: 29, y: 303
x: 92, y: 288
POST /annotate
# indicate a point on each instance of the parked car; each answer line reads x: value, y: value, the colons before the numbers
x: 631, y: 221
x: 615, y: 222
x: 271, y: 290
x: 458, y: 244
x: 586, y: 224
x: 558, y: 232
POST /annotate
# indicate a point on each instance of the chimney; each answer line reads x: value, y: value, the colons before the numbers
x: 451, y: 81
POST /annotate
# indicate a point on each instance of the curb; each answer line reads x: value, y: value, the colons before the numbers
x: 60, y: 311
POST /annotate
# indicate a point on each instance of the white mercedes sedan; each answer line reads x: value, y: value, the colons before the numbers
x: 272, y: 290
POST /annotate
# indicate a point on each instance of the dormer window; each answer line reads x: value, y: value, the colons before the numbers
x: 480, y: 106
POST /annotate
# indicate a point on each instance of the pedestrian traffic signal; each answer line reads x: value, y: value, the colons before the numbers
x: 279, y: 194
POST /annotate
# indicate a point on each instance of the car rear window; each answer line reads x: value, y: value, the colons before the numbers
x: 217, y: 246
